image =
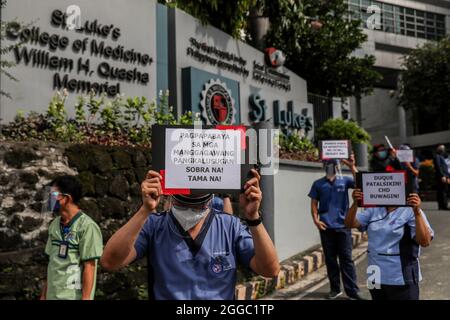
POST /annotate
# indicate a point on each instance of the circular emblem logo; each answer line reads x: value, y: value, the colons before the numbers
x: 217, y: 103
x: 274, y: 58
x: 216, y: 267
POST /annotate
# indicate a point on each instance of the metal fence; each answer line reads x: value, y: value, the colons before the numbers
x: 323, y: 108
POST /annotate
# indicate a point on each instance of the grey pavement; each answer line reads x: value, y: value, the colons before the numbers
x: 434, y: 260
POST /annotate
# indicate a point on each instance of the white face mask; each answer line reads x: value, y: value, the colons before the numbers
x: 188, y: 217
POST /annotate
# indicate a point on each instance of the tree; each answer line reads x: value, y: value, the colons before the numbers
x: 316, y: 36
x: 425, y: 85
x: 333, y: 129
x: 227, y: 15
x: 321, y: 53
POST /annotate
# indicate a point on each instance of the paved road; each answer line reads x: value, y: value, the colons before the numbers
x: 435, y: 263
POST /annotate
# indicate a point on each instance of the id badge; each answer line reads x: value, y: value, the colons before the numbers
x: 63, y: 249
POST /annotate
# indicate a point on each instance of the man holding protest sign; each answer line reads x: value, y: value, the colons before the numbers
x: 203, y: 266
x: 384, y: 159
x: 329, y: 204
x: 194, y: 249
x: 395, y: 235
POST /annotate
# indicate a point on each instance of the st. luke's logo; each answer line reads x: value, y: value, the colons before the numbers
x: 217, y: 104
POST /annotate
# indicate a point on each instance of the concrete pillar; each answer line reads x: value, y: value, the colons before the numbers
x: 401, y: 124
x: 358, y: 111
x: 267, y: 185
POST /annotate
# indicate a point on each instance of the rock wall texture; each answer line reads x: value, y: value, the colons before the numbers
x: 110, y: 177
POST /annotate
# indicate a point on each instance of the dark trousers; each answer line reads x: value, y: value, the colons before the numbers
x: 338, y: 243
x: 388, y: 292
x: 441, y: 194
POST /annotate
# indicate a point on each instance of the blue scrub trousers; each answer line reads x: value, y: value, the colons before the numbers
x: 400, y: 292
x: 338, y: 243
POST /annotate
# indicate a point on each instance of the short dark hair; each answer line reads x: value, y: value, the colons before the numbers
x: 69, y: 185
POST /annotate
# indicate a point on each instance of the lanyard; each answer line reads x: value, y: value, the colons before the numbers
x: 64, y: 231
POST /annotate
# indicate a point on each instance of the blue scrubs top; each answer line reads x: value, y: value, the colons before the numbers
x: 415, y: 165
x: 217, y: 203
x: 392, y: 246
x: 333, y: 199
x: 200, y: 269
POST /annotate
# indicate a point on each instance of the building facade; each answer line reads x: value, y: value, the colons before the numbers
x: 394, y: 27
x: 222, y: 80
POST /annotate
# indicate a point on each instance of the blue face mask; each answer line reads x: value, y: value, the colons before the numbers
x: 56, y: 207
x: 382, y: 154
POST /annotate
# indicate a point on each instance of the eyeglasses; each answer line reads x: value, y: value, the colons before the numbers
x: 57, y: 193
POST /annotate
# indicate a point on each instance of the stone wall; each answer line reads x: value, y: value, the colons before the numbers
x: 110, y: 177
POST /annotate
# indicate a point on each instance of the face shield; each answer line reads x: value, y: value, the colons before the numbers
x: 332, y: 168
x: 50, y: 200
x: 338, y: 169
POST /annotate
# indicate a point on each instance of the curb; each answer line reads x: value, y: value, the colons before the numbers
x: 291, y: 272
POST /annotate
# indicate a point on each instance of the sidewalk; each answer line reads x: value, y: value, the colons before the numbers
x: 297, y: 274
x: 310, y: 283
x: 434, y: 262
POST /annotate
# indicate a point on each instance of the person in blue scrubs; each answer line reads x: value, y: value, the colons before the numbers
x: 329, y: 205
x: 194, y: 249
x: 412, y: 168
x: 222, y: 202
x: 395, y: 236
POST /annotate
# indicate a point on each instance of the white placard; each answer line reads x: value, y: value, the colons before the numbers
x: 203, y: 159
x: 384, y: 188
x: 405, y: 155
x: 335, y: 149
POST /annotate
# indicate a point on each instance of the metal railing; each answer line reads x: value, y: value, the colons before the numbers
x: 323, y: 108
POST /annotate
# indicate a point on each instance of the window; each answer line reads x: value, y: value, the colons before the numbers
x: 365, y: 4
x: 440, y: 18
x: 399, y: 10
x: 401, y: 20
x: 354, y: 8
x: 355, y: 15
x: 388, y: 7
